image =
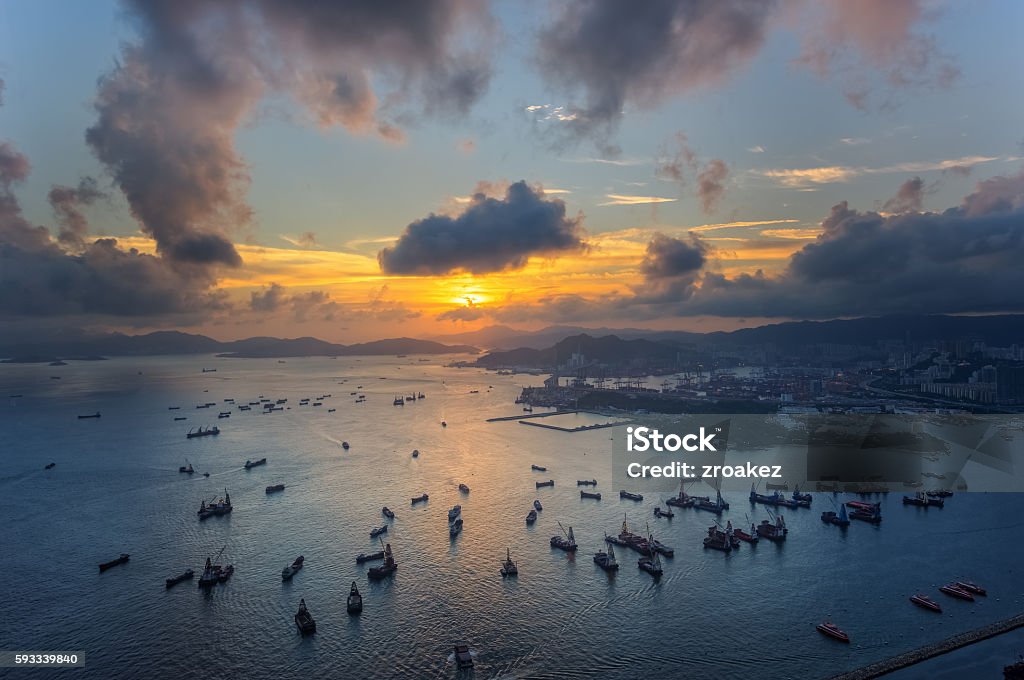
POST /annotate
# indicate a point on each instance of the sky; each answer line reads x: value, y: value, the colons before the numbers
x: 360, y: 170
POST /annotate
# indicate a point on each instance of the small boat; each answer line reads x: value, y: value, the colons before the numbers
x: 840, y: 519
x: 420, y: 499
x: 508, y: 567
x: 566, y: 542
x: 658, y: 512
x: 870, y: 516
x: 630, y: 496
x: 596, y: 495
x: 455, y: 528
x: 652, y: 565
x: 606, y: 560
x: 463, y: 657
x: 202, y: 432
x: 378, y: 531
x: 221, y: 507
x: 586, y: 482
x: 444, y: 424
x: 550, y: 482
x: 181, y: 418
x: 941, y: 493
x: 187, y: 469
x: 802, y: 499
x: 304, y: 620
x: 528, y: 409
x: 250, y: 464
x: 955, y: 591
x: 363, y: 557
x: 387, y: 512
x: 175, y: 580
x: 398, y: 401
x: 214, y: 573
x: 531, y: 517
x: 775, y: 530
x: 969, y: 587
x: 331, y: 410
x: 454, y: 512
x: 50, y: 466
x: 389, y: 567
x: 717, y: 506
x: 354, y: 604
x: 833, y: 631
x: 90, y: 415
x: 290, y: 570
x: 463, y: 488
x: 344, y: 445
x: 537, y: 506
x: 742, y: 535
x: 538, y: 468
x: 717, y: 540
x: 173, y: 408
x: 926, y: 602
x: 775, y: 498
x: 415, y: 453
x: 224, y: 414
x: 275, y: 488
x: 113, y: 563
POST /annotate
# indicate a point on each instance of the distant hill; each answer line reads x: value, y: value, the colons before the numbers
x: 76, y: 344
x: 503, y: 337
x: 607, y: 349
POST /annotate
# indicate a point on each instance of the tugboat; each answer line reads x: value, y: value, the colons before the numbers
x: 606, y: 560
x: 566, y: 542
x: 537, y: 506
x: 354, y: 604
x: 454, y: 512
x: 508, y: 567
x: 630, y: 496
x: 202, y: 432
x: 187, y: 469
x: 666, y: 513
x: 175, y: 580
x: 304, y: 620
x: 221, y: 507
x: 955, y: 591
x: 374, y: 533
x: 969, y: 587
x: 420, y: 499
x: 387, y: 512
x: 833, y: 631
x: 531, y: 517
x: 773, y: 531
x: 124, y: 557
x: 275, y: 488
x: 596, y: 495
x: 389, y: 567
x: 455, y: 528
x: 586, y: 482
x: 250, y: 464
x: 292, y: 569
x: 463, y: 657
x: 463, y: 488
x: 840, y: 519
x: 926, y: 602
x: 538, y: 468
x: 550, y: 482
x: 364, y: 557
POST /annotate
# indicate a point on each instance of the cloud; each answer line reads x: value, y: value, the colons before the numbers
x: 274, y: 298
x: 67, y: 203
x: 756, y: 149
x: 490, y: 235
x: 711, y: 184
x: 466, y: 146
x: 854, y: 141
x: 909, y: 197
x: 468, y: 312
x: 622, y: 199
x: 806, y: 177
x: 306, y: 239
x: 683, y: 166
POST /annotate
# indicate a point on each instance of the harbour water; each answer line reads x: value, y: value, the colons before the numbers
x: 116, y: 488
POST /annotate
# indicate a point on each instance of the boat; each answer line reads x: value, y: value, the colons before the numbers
x: 173, y: 408
x: 292, y: 569
x: 249, y: 464
x: 175, y: 580
x: 463, y: 657
x: 121, y: 559
x: 364, y: 557
x: 420, y: 499
x: 531, y: 517
x: 550, y: 482
x: 833, y: 631
x: 865, y: 512
x: 304, y: 620
x: 941, y: 493
x: 181, y: 418
x: 214, y: 573
x: 630, y: 496
x: 772, y: 530
x: 955, y: 591
x: 275, y: 488
x: 682, y: 499
x: 718, y: 540
x: 225, y: 414
x: 89, y: 415
x: 864, y: 506
x: 463, y: 488
x: 596, y: 495
x: 802, y: 499
x: 374, y: 533
x: 454, y: 512
x: 209, y: 370
x: 444, y: 423
x: 775, y: 498
x: 387, y: 512
x: 717, y: 506
x: 741, y: 535
x: 969, y: 587
x: 202, y: 432
x: 415, y: 453
x: 537, y: 506
x: 354, y: 604
x: 538, y: 468
x: 921, y: 499
x: 389, y: 567
x: 567, y: 542
x: 586, y: 482
x: 668, y: 514
x: 508, y: 567
x: 331, y: 410
x: 187, y: 469
x: 345, y: 445
x: 221, y: 507
x: 455, y: 528
x: 840, y: 519
x: 606, y: 560
x: 926, y: 602
x: 50, y: 466
x: 398, y: 401
x: 528, y: 409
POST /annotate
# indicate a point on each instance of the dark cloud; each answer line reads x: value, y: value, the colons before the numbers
x: 275, y: 298
x: 491, y: 234
x: 668, y: 257
x: 679, y: 163
x: 268, y: 300
x: 711, y: 184
x: 909, y: 197
x: 468, y: 312
x: 67, y: 203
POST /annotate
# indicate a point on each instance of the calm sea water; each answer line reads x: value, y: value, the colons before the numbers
x: 116, y: 489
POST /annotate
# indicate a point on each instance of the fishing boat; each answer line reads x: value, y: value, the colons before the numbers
x: 175, y: 580
x: 955, y: 591
x: 630, y: 496
x: 463, y: 657
x: 354, y: 604
x: 374, y: 533
x: 566, y: 542
x: 833, y: 631
x: 803, y: 500
x: 249, y: 464
x: 220, y: 507
x: 538, y: 468
x: 772, y: 530
x: 202, y: 432
x: 389, y: 567
x: 531, y: 517
x: 124, y: 557
x: 682, y: 500
x: 667, y: 514
x: 717, y: 506
x: 586, y: 482
x: 369, y: 557
x: 387, y: 512
x: 304, y: 620
x: 508, y: 567
x: 926, y: 602
x: 454, y: 512
x: 275, y: 488
x: 606, y: 560
x: 550, y: 482
x: 292, y: 569
x: 969, y: 587
x: 775, y: 498
x: 187, y: 469
x: 455, y: 528
x: 89, y: 415
x: 345, y: 445
x: 537, y: 506
x: 420, y: 499
x: 596, y: 495
x: 840, y: 519
x: 463, y: 488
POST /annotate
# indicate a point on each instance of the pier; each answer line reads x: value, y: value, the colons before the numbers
x: 529, y: 419
x: 895, y: 663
